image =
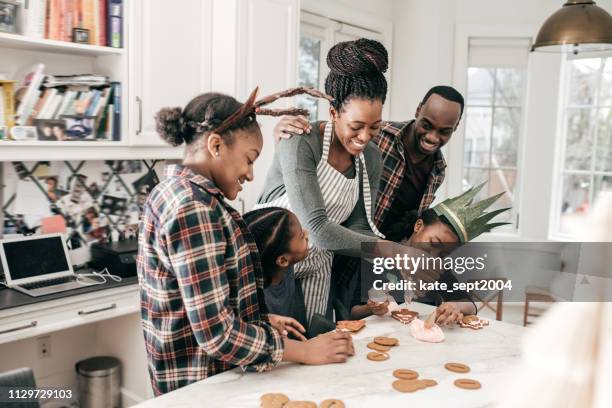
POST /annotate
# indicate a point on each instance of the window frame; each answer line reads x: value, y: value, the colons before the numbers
x: 559, y: 170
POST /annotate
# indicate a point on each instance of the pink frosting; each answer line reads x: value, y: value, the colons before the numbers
x: 419, y: 332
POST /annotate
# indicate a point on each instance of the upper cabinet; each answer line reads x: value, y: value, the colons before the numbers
x: 170, y: 61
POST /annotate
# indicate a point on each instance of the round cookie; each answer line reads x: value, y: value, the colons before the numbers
x: 377, y: 356
x: 332, y: 403
x: 300, y: 404
x: 273, y: 400
x: 386, y: 341
x: 409, y: 385
x: 405, y: 374
x: 378, y: 347
x: 457, y: 368
x: 467, y: 384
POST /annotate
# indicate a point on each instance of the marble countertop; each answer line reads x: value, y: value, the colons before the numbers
x: 491, y: 353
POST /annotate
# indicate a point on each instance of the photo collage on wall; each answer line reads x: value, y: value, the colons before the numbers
x: 93, y: 201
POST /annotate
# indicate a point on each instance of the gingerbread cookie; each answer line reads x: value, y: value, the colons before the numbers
x: 386, y: 341
x: 467, y: 384
x: 405, y: 374
x: 404, y: 316
x: 352, y: 326
x: 332, y: 403
x: 378, y: 347
x: 377, y: 356
x: 409, y: 385
x: 300, y: 404
x: 273, y: 400
x: 473, y: 322
x: 457, y: 367
x: 430, y: 383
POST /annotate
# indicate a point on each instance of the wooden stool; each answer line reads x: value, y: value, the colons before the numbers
x: 486, y: 301
x: 535, y: 294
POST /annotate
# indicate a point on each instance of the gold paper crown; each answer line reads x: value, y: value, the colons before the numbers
x: 467, y: 218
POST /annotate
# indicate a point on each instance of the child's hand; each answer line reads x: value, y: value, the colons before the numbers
x: 285, y: 325
x: 448, y: 313
x: 332, y: 347
x: 379, y: 309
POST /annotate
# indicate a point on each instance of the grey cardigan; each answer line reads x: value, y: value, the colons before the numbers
x: 294, y: 171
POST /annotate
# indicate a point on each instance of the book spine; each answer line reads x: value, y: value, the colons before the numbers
x: 46, y: 107
x: 30, y: 97
x: 102, y: 16
x: 117, y: 111
x: 88, y: 18
x: 61, y: 31
x: 115, y: 23
x: 54, y: 19
x: 9, y: 104
x: 68, y: 19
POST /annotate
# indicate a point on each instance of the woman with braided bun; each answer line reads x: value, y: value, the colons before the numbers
x: 329, y: 177
x: 199, y: 269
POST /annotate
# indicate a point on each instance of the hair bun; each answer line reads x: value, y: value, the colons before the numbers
x: 170, y: 125
x: 359, y: 57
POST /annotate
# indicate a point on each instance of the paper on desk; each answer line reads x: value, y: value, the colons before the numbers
x: 29, y: 200
x: 55, y: 223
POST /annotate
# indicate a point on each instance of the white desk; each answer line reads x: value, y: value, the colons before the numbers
x: 490, y: 353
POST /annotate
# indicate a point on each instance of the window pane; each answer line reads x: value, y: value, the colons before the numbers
x: 509, y: 87
x: 579, y: 145
x: 506, y: 130
x: 605, y: 98
x: 477, y: 136
x: 503, y: 181
x: 575, y: 200
x: 583, y: 81
x: 480, y: 86
x: 310, y: 50
x: 603, y: 154
x: 601, y: 183
x: 473, y: 177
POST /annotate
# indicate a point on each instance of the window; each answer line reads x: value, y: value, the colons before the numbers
x: 317, y: 35
x: 494, y: 118
x: 586, y: 165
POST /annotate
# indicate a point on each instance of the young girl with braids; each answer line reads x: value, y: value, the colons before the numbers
x: 201, y: 282
x: 282, y: 243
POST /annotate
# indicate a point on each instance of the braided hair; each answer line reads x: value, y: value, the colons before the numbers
x: 270, y: 229
x: 404, y: 227
x: 201, y: 115
x: 356, y: 70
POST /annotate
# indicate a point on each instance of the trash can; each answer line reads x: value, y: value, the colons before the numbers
x: 99, y: 381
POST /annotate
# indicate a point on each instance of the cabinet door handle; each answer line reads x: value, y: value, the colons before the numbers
x: 139, y: 102
x: 84, y: 313
x: 14, y: 329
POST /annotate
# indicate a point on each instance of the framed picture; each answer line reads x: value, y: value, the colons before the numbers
x: 24, y: 132
x: 50, y: 129
x: 80, y: 35
x: 80, y: 127
x: 8, y: 16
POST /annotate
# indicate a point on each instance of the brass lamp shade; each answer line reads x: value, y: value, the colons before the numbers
x: 578, y: 26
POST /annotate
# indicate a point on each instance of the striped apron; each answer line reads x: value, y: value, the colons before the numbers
x: 340, y: 196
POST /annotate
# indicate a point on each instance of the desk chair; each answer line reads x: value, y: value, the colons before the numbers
x: 19, y: 378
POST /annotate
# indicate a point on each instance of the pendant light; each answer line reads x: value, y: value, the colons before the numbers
x: 579, y: 26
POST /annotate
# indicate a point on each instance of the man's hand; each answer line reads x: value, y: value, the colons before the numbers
x: 287, y: 125
x: 378, y: 309
x: 285, y: 325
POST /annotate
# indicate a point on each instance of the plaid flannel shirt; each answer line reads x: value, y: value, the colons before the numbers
x: 389, y: 141
x: 201, y: 286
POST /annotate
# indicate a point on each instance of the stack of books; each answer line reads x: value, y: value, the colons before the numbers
x: 95, y: 22
x: 75, y: 107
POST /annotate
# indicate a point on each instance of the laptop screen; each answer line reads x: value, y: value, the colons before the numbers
x: 35, y: 257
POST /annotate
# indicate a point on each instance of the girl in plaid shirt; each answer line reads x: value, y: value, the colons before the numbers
x: 202, y: 304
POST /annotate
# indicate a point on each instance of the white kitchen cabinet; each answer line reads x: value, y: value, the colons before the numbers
x: 169, y: 60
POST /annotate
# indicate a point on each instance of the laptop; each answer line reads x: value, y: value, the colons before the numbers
x: 38, y: 265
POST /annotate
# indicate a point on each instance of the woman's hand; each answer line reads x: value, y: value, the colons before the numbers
x: 379, y: 309
x: 333, y: 347
x: 285, y: 325
x: 288, y: 125
x: 448, y: 313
